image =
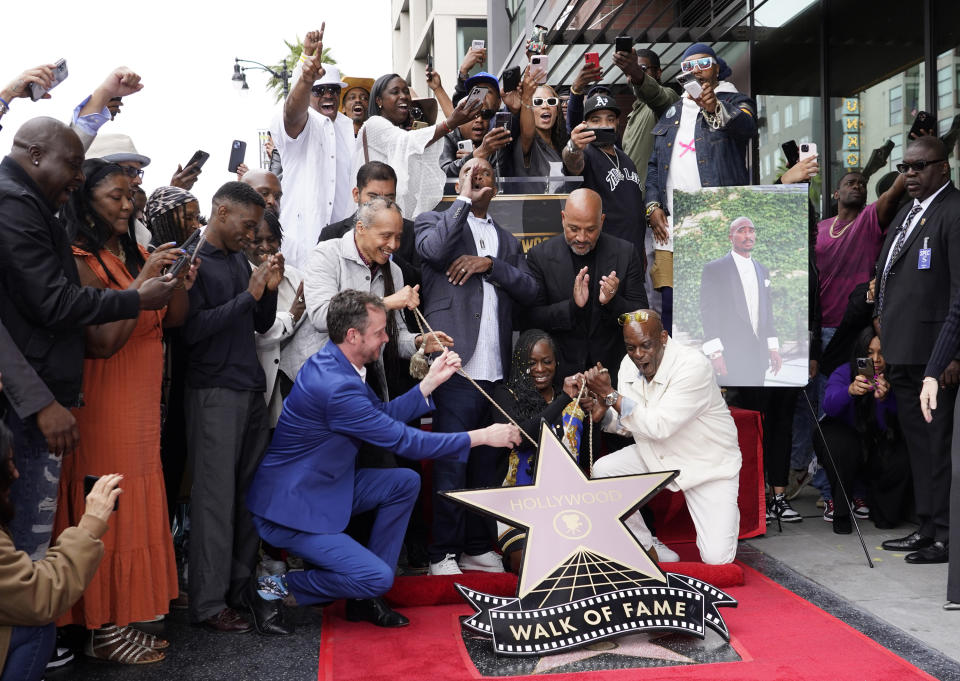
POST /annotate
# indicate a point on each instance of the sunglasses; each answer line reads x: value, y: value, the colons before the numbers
x: 132, y: 172
x: 486, y: 114
x: 548, y: 101
x: 697, y: 64
x: 627, y: 317
x: 917, y: 166
x: 320, y: 90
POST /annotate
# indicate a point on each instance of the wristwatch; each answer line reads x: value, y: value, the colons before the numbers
x: 611, y: 399
x: 572, y: 148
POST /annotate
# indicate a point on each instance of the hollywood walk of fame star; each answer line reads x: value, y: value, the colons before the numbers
x: 566, y: 513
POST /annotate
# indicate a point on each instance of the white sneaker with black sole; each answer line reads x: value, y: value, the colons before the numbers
x: 491, y: 561
x: 447, y: 566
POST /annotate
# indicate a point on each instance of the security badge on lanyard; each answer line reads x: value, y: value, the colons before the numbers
x: 923, y: 259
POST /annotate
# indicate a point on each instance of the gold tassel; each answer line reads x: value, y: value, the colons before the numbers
x: 419, y: 366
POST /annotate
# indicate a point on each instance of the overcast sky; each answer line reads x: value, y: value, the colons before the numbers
x: 184, y: 52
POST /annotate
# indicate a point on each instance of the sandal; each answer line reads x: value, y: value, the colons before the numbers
x: 142, y: 638
x: 113, y: 646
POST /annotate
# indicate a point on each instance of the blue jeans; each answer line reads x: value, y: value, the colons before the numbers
x: 30, y: 650
x: 34, y: 495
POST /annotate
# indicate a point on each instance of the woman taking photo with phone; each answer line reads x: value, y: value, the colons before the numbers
x: 864, y: 438
x: 388, y: 136
x: 34, y: 594
x: 543, y: 132
x: 119, y: 424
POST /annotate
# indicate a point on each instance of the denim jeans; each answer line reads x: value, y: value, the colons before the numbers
x: 30, y: 650
x: 34, y: 495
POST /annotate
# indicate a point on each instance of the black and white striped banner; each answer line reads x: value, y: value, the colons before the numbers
x: 682, y: 604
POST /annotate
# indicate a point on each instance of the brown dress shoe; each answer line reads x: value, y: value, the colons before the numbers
x: 228, y: 621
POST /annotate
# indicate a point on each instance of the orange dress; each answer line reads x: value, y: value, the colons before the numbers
x: 120, y: 433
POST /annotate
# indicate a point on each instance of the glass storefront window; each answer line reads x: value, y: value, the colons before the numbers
x: 896, y: 105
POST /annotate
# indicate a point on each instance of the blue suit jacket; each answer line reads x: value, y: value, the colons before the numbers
x: 442, y: 237
x: 306, y: 478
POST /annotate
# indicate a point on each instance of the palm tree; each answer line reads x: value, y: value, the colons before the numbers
x: 295, y: 50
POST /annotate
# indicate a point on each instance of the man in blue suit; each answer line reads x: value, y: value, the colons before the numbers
x: 473, y: 272
x: 306, y: 488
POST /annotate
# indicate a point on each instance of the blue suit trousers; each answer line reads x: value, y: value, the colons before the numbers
x: 340, y: 567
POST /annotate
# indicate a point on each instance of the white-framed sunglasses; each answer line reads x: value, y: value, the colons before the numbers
x: 546, y: 101
x: 698, y: 64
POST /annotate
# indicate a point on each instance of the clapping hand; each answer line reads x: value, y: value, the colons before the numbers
x: 581, y: 288
x: 608, y: 287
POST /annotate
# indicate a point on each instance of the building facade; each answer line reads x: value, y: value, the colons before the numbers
x: 847, y: 75
x: 441, y: 29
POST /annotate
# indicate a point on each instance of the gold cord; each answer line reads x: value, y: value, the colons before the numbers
x: 463, y: 373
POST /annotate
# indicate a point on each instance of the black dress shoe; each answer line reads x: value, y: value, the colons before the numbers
x: 911, y: 542
x: 937, y: 552
x: 376, y: 611
x: 266, y: 616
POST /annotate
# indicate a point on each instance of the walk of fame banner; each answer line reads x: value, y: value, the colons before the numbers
x: 584, y: 576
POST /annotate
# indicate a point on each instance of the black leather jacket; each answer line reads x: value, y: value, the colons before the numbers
x: 42, y: 303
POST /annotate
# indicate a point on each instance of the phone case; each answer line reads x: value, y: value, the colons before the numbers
x: 237, y: 152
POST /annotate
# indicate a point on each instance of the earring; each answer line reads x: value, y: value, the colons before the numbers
x: 36, y: 163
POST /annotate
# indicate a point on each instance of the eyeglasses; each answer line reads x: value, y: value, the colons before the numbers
x: 917, y: 166
x: 548, y: 101
x: 320, y: 90
x: 486, y: 114
x: 132, y: 172
x: 639, y: 316
x: 697, y: 64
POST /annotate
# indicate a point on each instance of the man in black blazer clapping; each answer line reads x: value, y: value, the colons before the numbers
x: 587, y: 279
x: 918, y: 274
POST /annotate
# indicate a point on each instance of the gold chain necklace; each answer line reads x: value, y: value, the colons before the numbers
x: 842, y: 230
x: 120, y: 255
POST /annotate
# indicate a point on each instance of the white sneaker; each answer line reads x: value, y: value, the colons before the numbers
x: 447, y: 566
x: 665, y: 553
x: 491, y: 561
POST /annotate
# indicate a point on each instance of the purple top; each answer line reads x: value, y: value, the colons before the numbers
x: 845, y: 261
x: 838, y: 403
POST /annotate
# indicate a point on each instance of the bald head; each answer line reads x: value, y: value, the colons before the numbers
x: 743, y: 235
x: 644, y: 339
x: 43, y: 131
x: 647, y: 320
x: 582, y: 219
x: 267, y: 185
x: 52, y: 155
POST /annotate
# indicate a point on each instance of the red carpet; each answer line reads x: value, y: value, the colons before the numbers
x: 779, y: 636
x: 419, y: 591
